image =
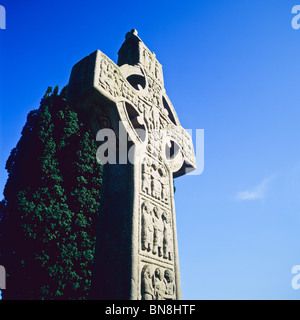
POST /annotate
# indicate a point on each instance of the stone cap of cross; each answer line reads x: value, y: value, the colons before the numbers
x: 135, y: 90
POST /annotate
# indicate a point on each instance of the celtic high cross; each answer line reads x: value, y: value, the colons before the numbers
x: 136, y: 255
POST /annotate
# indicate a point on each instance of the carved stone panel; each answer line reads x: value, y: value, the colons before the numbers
x: 156, y: 231
x: 157, y: 283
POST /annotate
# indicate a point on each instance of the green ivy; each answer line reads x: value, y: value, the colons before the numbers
x: 49, y: 213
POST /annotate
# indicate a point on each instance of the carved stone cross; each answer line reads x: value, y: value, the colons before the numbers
x: 136, y: 255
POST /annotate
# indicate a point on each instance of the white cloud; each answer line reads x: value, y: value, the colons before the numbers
x: 258, y: 192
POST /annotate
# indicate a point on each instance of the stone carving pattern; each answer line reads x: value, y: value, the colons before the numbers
x: 149, y: 105
x: 155, y: 180
x: 156, y: 218
x: 156, y: 231
x: 137, y: 91
x: 158, y: 284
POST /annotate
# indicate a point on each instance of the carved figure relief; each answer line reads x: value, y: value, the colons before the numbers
x: 156, y: 188
x: 147, y: 227
x: 157, y: 285
x: 168, y: 236
x: 146, y: 176
x: 147, y: 288
x: 170, y: 287
x: 158, y: 232
x: 155, y: 180
x: 165, y: 195
x: 156, y: 117
x: 164, y: 181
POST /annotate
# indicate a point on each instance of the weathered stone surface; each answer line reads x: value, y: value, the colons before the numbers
x: 136, y: 251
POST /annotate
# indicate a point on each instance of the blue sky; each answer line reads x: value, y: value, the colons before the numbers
x: 231, y: 68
